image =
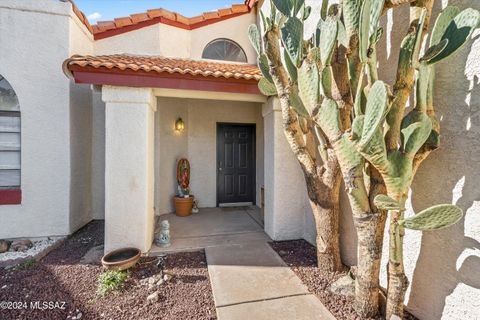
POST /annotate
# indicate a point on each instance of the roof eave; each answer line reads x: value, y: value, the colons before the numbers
x: 130, y: 78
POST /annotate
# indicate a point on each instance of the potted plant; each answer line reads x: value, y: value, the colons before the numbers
x: 183, y: 200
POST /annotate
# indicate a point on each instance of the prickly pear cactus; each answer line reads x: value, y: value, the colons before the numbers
x: 362, y: 120
x: 434, y: 218
x: 183, y: 177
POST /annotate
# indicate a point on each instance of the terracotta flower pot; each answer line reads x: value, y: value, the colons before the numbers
x: 121, y: 259
x: 183, y: 206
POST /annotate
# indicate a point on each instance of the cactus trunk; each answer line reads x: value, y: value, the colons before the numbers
x: 326, y: 217
x: 370, y: 236
x: 378, y: 148
x: 397, y: 280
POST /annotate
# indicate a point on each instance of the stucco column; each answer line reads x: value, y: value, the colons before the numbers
x: 129, y: 167
x: 284, y: 183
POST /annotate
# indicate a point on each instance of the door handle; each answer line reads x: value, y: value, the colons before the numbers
x: 220, y: 166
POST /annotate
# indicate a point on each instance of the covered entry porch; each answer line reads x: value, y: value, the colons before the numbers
x: 212, y: 227
x: 144, y: 96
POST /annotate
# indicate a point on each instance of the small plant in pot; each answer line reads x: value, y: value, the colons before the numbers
x: 183, y: 201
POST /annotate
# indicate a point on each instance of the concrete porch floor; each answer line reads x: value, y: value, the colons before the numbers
x: 212, y: 227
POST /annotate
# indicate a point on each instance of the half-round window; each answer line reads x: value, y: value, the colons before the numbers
x: 224, y: 49
x: 9, y: 137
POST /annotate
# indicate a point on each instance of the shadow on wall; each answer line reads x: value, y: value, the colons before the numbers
x: 446, y: 273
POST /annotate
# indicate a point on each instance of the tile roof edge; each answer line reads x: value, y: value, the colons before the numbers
x: 82, y: 61
x: 180, y: 20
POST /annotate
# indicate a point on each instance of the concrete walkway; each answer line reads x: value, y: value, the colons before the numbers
x: 250, y: 281
x: 212, y: 227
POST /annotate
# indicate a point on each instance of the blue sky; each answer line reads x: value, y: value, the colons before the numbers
x: 109, y: 9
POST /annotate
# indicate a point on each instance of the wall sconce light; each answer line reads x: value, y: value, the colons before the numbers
x: 179, y: 125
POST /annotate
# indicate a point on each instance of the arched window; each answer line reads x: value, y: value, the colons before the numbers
x: 224, y: 49
x: 9, y: 137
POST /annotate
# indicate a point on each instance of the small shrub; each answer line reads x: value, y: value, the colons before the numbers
x: 22, y: 266
x: 110, y: 281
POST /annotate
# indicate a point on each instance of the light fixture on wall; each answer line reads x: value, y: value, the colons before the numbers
x: 179, y: 125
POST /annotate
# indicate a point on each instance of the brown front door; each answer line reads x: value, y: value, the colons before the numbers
x: 235, y: 163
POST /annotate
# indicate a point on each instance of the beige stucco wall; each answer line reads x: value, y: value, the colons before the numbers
x: 129, y: 168
x: 168, y: 41
x: 443, y: 266
x: 144, y: 41
x: 234, y: 28
x: 81, y: 128
x: 198, y: 144
x: 35, y: 40
x: 98, y: 155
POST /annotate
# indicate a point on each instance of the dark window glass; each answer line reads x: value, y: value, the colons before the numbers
x: 10, y: 145
x: 224, y: 49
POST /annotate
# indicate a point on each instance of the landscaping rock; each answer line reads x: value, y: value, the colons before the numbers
x: 153, y: 298
x: 21, y: 245
x: 93, y: 256
x: 4, y: 246
x: 160, y: 282
x: 344, y: 286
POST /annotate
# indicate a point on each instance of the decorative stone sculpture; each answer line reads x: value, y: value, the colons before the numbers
x: 195, y: 206
x: 163, y: 239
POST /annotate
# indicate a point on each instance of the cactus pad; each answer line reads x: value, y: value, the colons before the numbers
x: 292, y: 38
x: 442, y: 22
x: 434, y: 51
x: 263, y: 65
x: 254, y: 36
x: 298, y: 106
x: 416, y: 128
x: 376, y: 9
x: 308, y: 83
x: 357, y: 127
x: 284, y: 6
x: 434, y: 218
x: 328, y: 36
x: 342, y: 35
x: 351, y: 14
x: 290, y: 66
x: 458, y: 32
x: 364, y: 28
x: 329, y: 118
x: 267, y: 88
x: 375, y: 111
x: 384, y: 202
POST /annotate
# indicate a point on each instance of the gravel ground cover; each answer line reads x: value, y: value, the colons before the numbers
x: 38, y: 249
x: 301, y: 257
x: 59, y: 287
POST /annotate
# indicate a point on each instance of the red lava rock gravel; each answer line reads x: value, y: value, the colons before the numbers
x: 302, y: 258
x: 60, y: 278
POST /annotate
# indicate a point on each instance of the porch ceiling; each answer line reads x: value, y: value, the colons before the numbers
x: 158, y: 72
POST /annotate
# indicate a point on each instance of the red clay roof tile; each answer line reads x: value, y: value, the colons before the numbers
x: 240, y: 8
x: 197, y: 19
x: 122, y: 22
x: 123, y: 62
x: 182, y: 21
x: 210, y: 15
x: 139, y: 17
x: 224, y: 12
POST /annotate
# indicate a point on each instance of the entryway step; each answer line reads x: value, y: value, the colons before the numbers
x: 202, y: 242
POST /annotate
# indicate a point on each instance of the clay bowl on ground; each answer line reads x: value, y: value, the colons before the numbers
x: 121, y: 259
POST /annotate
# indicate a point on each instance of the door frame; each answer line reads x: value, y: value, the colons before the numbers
x: 217, y: 151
